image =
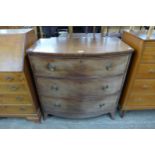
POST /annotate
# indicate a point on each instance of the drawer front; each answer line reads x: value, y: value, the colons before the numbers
x: 14, y: 110
x: 13, y: 88
x: 107, y: 66
x: 79, y: 88
x: 144, y: 87
x: 73, y: 107
x: 15, y: 99
x: 148, y: 57
x: 146, y: 71
x: 11, y: 77
x: 149, y: 46
x: 141, y: 100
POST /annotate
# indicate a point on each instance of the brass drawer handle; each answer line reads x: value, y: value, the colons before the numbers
x: 9, y: 78
x: 105, y: 87
x: 108, y: 66
x: 101, y: 105
x: 14, y: 88
x: 51, y: 67
x: 19, y: 98
x: 55, y: 87
x: 151, y: 70
x: 58, y: 105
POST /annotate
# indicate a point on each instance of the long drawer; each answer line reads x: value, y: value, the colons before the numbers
x: 13, y: 88
x: 141, y: 100
x: 146, y: 71
x: 11, y: 99
x: 7, y: 77
x: 144, y: 86
x: 52, y: 67
x: 78, y: 88
x: 76, y: 108
x: 15, y: 109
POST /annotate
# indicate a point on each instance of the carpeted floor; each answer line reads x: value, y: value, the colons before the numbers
x: 131, y: 120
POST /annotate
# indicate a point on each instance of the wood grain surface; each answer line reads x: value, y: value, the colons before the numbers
x: 79, y: 77
x: 139, y: 90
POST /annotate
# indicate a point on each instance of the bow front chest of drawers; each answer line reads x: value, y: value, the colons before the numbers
x: 139, y: 92
x: 79, y: 77
x: 17, y: 94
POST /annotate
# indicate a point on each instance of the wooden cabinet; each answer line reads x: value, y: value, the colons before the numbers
x: 79, y: 77
x: 17, y: 94
x: 139, y: 91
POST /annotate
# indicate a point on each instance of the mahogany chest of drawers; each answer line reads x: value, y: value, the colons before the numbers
x: 17, y: 93
x: 79, y: 77
x: 139, y: 91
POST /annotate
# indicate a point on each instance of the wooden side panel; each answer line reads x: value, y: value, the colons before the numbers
x: 30, y: 39
x: 137, y: 44
x: 31, y: 86
x: 11, y: 52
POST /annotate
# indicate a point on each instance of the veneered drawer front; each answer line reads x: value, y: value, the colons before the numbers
x: 146, y: 71
x: 10, y: 110
x: 149, y: 46
x: 7, y: 77
x: 148, y: 57
x: 13, y: 88
x: 12, y: 99
x: 79, y: 88
x: 144, y: 86
x: 52, y: 67
x: 74, y: 107
x: 141, y: 100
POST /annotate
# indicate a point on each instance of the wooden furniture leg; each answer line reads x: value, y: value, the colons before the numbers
x: 112, y: 115
x: 122, y: 113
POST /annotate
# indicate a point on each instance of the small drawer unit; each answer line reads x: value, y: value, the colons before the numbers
x: 17, y: 93
x: 139, y: 91
x: 76, y: 79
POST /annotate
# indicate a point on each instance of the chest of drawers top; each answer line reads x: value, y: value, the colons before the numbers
x: 142, y: 35
x: 13, y: 43
x: 63, y: 46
